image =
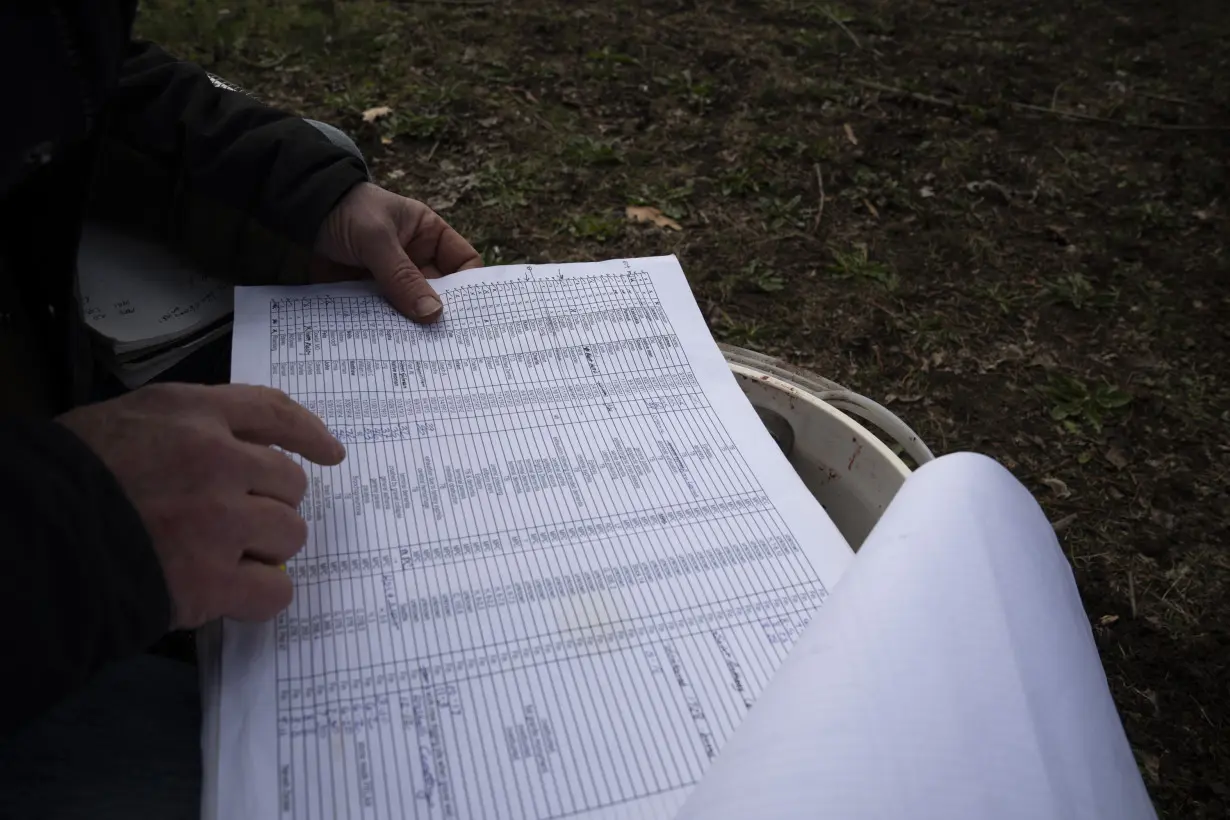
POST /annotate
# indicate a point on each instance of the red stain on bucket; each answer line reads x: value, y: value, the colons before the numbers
x: 858, y: 451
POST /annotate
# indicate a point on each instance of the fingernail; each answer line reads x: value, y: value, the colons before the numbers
x: 426, y: 306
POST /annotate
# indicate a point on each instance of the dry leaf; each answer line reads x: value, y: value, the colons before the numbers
x: 1064, y: 523
x: 451, y: 191
x: 1163, y: 519
x: 396, y: 173
x: 373, y: 114
x: 850, y: 134
x: 1107, y: 620
x: 1116, y: 457
x: 1045, y: 361
x: 871, y: 208
x: 645, y: 213
x: 386, y: 140
x: 1058, y: 487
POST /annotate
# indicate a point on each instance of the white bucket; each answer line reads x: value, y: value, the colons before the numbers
x: 850, y: 471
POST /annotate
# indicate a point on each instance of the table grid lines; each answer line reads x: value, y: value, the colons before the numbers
x: 426, y: 658
x: 617, y: 505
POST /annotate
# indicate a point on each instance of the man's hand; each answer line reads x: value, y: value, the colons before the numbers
x: 219, y: 503
x: 400, y: 242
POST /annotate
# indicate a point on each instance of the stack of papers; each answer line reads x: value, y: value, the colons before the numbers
x: 146, y: 307
x: 564, y: 560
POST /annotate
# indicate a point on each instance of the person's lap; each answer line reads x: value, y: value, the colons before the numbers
x: 128, y: 745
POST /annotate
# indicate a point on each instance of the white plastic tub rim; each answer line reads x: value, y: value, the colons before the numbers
x: 817, y: 423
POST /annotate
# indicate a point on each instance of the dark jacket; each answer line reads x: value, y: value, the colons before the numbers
x: 91, y: 122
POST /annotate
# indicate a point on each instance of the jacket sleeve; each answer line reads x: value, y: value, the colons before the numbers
x: 81, y: 584
x: 238, y: 186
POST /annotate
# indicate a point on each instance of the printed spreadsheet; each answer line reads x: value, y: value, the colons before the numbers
x: 559, y: 563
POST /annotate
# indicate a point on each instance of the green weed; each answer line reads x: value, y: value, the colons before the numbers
x: 858, y: 264
x: 671, y: 200
x: 597, y: 227
x: 1076, y: 290
x: 420, y: 126
x: 743, y: 334
x: 780, y: 213
x: 1075, y: 404
x: 587, y: 150
x: 1004, y: 297
x: 738, y: 182
x: 766, y: 281
x: 501, y: 186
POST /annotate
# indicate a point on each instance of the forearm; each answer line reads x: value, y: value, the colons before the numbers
x: 239, y: 186
x: 81, y: 585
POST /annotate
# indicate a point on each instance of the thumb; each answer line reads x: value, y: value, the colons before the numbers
x: 400, y: 280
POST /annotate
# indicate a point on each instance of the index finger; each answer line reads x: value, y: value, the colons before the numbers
x: 262, y: 415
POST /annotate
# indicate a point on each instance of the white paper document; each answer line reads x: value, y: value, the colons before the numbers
x: 136, y: 294
x: 952, y: 675
x: 136, y: 372
x: 560, y: 562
